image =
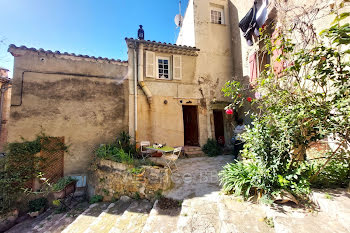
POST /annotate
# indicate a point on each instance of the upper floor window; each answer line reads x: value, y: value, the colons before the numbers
x: 160, y: 67
x: 217, y: 15
x: 163, y: 65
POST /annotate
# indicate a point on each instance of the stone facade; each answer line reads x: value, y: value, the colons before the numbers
x: 80, y: 98
x: 113, y: 180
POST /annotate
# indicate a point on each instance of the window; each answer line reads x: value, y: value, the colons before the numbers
x: 163, y: 68
x: 217, y: 15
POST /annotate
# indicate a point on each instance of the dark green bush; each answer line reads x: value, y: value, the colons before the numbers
x: 37, y: 204
x: 212, y: 148
x: 335, y: 174
x: 96, y: 199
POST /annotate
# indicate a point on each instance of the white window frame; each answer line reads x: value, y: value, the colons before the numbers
x: 169, y: 67
x: 220, y: 10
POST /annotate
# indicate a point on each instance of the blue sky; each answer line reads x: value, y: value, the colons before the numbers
x: 89, y: 27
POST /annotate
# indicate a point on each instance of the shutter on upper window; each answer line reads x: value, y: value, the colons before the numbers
x: 177, y: 67
x: 150, y: 64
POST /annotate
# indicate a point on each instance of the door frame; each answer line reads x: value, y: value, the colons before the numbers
x: 197, y: 118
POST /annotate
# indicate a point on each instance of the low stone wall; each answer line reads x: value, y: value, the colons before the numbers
x: 113, y: 180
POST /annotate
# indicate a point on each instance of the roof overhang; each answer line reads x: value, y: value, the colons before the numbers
x: 162, y: 47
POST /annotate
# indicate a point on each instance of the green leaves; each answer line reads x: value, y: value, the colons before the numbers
x: 308, y: 101
x: 340, y: 17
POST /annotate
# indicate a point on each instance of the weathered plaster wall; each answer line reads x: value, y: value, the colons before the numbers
x: 83, y: 100
x: 5, y: 117
x: 216, y: 61
x: 160, y: 122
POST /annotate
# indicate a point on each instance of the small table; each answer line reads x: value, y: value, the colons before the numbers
x: 164, y: 149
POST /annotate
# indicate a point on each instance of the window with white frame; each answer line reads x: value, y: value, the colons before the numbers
x: 163, y: 64
x: 217, y: 15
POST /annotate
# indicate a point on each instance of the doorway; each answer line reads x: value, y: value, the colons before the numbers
x: 219, y: 126
x: 190, y: 118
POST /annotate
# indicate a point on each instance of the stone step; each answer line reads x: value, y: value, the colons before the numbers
x: 306, y: 223
x: 84, y: 220
x: 56, y: 225
x: 31, y: 224
x: 198, y: 215
x: 239, y: 216
x: 194, y: 154
x: 192, y: 148
x: 335, y: 203
x: 134, y: 218
x: 105, y: 222
x: 162, y: 220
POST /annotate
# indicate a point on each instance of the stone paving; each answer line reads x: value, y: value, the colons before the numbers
x: 203, y: 209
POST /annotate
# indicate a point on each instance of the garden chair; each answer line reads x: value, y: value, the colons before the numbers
x: 171, y: 159
x: 144, y: 151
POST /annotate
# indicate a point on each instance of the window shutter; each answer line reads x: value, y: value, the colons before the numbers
x: 150, y: 64
x: 177, y: 67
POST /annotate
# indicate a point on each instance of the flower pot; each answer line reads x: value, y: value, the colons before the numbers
x: 8, y: 220
x: 70, y: 188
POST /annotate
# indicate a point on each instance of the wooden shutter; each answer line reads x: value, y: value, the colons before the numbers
x: 177, y: 67
x: 150, y: 64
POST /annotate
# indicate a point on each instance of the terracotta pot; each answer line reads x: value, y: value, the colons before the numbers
x: 8, y: 220
x: 70, y: 188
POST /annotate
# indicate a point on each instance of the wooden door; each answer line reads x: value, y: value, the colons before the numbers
x: 219, y: 124
x: 190, y: 117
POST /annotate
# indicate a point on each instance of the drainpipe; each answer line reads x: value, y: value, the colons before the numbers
x: 135, y: 92
x: 142, y: 84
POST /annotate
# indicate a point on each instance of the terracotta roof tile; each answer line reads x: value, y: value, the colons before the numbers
x: 12, y: 46
x: 162, y: 44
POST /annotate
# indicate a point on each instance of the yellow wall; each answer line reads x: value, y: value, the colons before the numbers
x: 87, y: 107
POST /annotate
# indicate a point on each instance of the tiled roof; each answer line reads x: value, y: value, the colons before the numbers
x: 164, y: 45
x: 12, y: 46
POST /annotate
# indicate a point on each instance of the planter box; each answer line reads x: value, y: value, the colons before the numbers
x: 69, y: 189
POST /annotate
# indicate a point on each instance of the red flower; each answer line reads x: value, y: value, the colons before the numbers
x: 229, y: 111
x: 249, y: 99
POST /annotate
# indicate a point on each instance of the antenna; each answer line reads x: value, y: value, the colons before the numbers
x: 178, y: 18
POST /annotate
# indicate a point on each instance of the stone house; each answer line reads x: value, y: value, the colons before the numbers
x: 165, y: 93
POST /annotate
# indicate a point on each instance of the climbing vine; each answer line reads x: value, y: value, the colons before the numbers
x: 21, y: 165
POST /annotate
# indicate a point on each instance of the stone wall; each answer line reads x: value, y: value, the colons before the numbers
x: 113, y: 180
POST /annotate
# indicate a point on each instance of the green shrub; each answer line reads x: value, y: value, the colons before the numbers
x: 121, y: 151
x: 96, y: 199
x: 335, y: 174
x: 212, y: 148
x: 37, y: 204
x: 240, y: 178
x: 62, y: 183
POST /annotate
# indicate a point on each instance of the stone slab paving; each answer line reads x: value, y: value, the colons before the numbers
x: 239, y: 216
x: 162, y: 220
x: 106, y: 220
x: 134, y: 218
x: 82, y: 223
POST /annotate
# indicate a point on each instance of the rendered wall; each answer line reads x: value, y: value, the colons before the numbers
x: 160, y: 122
x: 83, y: 100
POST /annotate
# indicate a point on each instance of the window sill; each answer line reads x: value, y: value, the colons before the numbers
x: 219, y: 24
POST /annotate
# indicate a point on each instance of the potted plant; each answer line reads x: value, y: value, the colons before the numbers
x: 64, y: 187
x: 37, y: 206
